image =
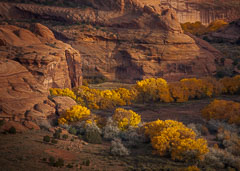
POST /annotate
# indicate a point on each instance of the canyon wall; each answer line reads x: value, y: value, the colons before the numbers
x: 124, y: 40
x: 204, y: 11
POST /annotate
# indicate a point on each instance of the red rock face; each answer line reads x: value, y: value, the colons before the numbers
x: 205, y: 11
x: 19, y: 90
x: 52, y: 62
x: 30, y: 63
x: 123, y: 40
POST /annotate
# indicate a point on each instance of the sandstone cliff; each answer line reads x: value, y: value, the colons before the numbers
x: 204, y: 11
x: 124, y: 39
x: 52, y: 62
x: 30, y: 63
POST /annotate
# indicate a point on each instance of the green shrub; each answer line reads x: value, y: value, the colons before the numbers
x: 51, y: 160
x: 59, y: 130
x: 69, y: 165
x: 93, y: 136
x: 57, y: 135
x: 65, y: 136
x: 46, y: 139
x: 59, y: 163
x: 72, y: 131
x: 1, y: 123
x: 12, y: 130
x: 54, y: 141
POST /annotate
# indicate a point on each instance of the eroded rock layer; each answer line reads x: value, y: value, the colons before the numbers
x: 124, y: 40
x: 31, y: 62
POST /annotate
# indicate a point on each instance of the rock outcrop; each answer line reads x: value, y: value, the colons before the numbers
x: 124, y: 40
x: 31, y: 62
x: 205, y: 11
x: 19, y: 90
x: 52, y: 62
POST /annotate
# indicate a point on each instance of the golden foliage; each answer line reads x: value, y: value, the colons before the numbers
x: 174, y: 138
x: 198, y: 28
x: 74, y: 114
x: 223, y: 110
x: 192, y: 88
x: 231, y: 85
x: 216, y: 25
x: 126, y: 118
x: 153, y: 90
x: 103, y: 99
x: 62, y: 92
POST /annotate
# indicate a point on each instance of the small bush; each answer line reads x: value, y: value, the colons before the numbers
x: 51, y: 160
x: 57, y: 135
x: 110, y: 131
x: 93, y: 136
x: 69, y: 165
x: 74, y: 114
x: 223, y: 110
x: 46, y: 139
x: 126, y: 118
x: 65, y: 136
x: 54, y: 141
x: 62, y: 92
x: 12, y: 130
x: 118, y: 149
x: 174, y: 138
x: 72, y: 130
x: 87, y: 162
x: 219, y: 159
x: 133, y: 137
x: 59, y: 130
x: 1, y: 123
x: 231, y: 84
x: 230, y: 141
x: 59, y: 163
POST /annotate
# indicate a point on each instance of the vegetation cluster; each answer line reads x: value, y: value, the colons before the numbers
x: 148, y: 91
x: 175, y: 139
x: 168, y: 138
x: 199, y: 29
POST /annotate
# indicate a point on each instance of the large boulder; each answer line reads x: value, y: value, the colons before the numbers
x: 63, y: 103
